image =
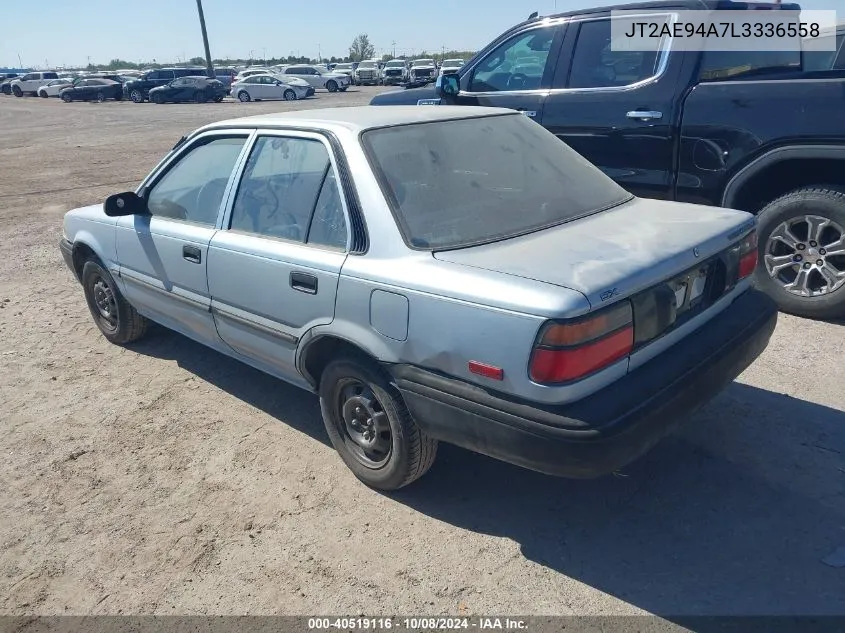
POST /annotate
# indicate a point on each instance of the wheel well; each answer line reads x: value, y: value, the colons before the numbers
x: 325, y: 349
x: 81, y: 254
x: 786, y: 175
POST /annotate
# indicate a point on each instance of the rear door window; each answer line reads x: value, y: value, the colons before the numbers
x: 165, y: 74
x: 599, y: 61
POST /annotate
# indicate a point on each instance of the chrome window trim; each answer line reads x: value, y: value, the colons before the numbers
x: 662, y: 64
x: 241, y: 165
x: 176, y: 155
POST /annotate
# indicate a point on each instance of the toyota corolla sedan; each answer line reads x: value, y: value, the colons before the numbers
x: 260, y: 87
x: 448, y: 274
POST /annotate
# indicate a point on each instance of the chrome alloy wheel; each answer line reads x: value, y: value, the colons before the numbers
x: 806, y: 255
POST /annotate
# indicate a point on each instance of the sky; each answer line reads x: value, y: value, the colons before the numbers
x: 74, y: 33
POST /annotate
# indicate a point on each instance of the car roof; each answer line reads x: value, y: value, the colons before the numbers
x: 359, y: 118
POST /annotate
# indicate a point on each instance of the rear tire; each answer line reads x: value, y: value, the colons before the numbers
x: 101, y: 97
x: 243, y: 96
x: 331, y: 85
x: 218, y: 99
x: 118, y: 321
x: 289, y: 95
x: 824, y: 206
x: 156, y: 98
x: 355, y: 394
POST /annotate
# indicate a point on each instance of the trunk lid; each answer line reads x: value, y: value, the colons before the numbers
x: 615, y: 253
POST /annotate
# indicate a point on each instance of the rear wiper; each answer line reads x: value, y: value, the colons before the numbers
x: 178, y: 143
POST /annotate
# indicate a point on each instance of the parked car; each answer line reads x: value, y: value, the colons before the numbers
x: 422, y: 71
x: 451, y: 66
x: 196, y: 89
x: 343, y: 69
x: 6, y: 85
x: 54, y: 87
x: 259, y: 87
x: 225, y: 75
x: 613, y: 317
x: 395, y: 72
x: 30, y: 83
x: 751, y: 130
x: 368, y: 73
x: 92, y: 90
x: 328, y: 81
x: 251, y: 72
x: 138, y: 90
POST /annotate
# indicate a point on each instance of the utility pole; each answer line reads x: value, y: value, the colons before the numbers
x: 394, y: 49
x: 209, y: 68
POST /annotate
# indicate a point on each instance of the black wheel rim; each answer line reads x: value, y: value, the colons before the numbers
x: 104, y: 302
x: 362, y: 423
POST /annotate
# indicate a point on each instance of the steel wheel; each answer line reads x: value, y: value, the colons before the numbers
x: 806, y: 255
x: 105, y: 302
x: 363, y: 424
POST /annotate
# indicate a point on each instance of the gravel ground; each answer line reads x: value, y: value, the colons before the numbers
x: 168, y: 479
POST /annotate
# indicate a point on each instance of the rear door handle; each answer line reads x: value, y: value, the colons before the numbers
x: 644, y: 115
x: 531, y: 113
x: 191, y: 254
x: 303, y: 282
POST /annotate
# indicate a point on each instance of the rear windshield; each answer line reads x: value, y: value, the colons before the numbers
x: 470, y: 181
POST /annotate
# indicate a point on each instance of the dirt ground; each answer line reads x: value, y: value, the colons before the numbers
x: 168, y: 479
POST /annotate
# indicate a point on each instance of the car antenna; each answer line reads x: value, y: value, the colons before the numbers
x: 533, y: 15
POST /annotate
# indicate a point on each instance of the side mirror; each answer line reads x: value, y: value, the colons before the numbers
x: 448, y: 85
x: 128, y: 203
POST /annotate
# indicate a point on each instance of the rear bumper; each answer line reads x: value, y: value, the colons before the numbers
x: 608, y: 430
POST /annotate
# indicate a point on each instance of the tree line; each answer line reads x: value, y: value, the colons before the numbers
x: 360, y: 49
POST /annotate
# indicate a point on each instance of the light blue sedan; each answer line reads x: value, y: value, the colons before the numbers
x: 435, y: 274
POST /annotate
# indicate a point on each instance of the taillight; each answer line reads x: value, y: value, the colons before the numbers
x: 747, y: 255
x: 567, y: 351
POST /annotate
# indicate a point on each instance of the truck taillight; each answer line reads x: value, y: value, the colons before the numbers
x: 748, y: 255
x: 567, y: 351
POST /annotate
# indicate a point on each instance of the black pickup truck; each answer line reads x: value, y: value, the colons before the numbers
x: 758, y: 131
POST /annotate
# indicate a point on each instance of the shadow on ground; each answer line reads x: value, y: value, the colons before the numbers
x: 732, y: 515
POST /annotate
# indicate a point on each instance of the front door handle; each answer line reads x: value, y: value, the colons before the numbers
x: 531, y: 113
x: 644, y: 115
x: 191, y: 254
x: 303, y: 282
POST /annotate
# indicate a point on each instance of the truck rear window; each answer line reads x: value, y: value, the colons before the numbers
x: 458, y: 183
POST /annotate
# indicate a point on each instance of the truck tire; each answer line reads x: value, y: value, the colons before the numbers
x: 370, y: 426
x: 118, y: 321
x: 801, y: 238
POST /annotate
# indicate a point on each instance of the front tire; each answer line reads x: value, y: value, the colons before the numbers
x: 289, y: 95
x: 331, y: 85
x: 137, y: 96
x: 43, y: 94
x: 118, y: 321
x: 16, y: 90
x: 801, y: 239
x: 157, y: 98
x: 67, y: 98
x: 101, y: 97
x: 243, y: 97
x: 370, y: 426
